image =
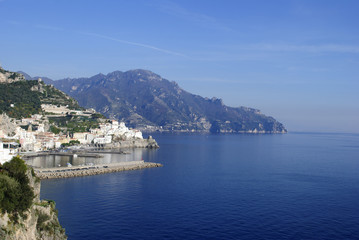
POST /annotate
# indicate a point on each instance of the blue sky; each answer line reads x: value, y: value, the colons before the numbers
x: 297, y: 61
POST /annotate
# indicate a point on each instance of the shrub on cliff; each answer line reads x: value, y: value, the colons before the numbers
x: 25, y: 102
x: 16, y: 195
x: 9, y: 191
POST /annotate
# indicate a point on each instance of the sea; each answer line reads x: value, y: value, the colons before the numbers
x: 281, y: 186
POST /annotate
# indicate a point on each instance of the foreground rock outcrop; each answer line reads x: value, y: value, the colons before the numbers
x: 40, y: 221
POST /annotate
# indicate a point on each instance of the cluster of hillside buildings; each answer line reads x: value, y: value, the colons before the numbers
x: 32, y: 140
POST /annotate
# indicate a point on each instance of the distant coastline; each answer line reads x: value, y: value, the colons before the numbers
x: 154, y: 129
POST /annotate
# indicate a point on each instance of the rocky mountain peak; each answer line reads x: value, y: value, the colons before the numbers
x: 144, y: 75
x: 9, y: 77
x: 145, y: 100
x: 113, y: 76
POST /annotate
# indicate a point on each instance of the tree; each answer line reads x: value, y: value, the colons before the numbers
x: 16, y: 195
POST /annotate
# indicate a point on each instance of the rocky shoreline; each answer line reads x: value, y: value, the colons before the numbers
x: 39, y: 221
x: 80, y: 171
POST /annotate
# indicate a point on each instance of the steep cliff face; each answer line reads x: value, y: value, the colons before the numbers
x: 40, y: 221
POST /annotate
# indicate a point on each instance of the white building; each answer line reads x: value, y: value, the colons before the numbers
x: 117, y: 129
x: 27, y: 139
x: 84, y: 137
x: 8, y: 150
x: 103, y: 140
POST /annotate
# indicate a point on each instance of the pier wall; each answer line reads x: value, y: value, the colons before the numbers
x: 80, y: 171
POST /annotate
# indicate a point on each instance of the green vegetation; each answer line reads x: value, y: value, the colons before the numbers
x: 75, y: 123
x: 47, y: 223
x: 46, y: 203
x: 97, y: 116
x: 13, y: 75
x: 42, y: 218
x: 17, y: 198
x: 25, y: 102
x: 51, y: 95
x: 22, y: 99
x: 71, y: 143
x: 16, y: 195
x: 55, y: 129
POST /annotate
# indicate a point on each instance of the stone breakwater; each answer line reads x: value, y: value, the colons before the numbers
x: 80, y: 171
x: 134, y: 143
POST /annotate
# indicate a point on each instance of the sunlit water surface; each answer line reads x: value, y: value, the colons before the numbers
x: 292, y: 186
x: 59, y: 160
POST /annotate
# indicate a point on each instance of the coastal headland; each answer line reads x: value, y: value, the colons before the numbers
x: 80, y: 171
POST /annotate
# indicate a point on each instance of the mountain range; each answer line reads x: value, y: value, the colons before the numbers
x: 145, y: 100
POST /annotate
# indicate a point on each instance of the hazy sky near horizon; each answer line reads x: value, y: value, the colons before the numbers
x: 296, y: 60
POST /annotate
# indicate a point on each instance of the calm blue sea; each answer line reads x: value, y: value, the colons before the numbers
x: 291, y: 186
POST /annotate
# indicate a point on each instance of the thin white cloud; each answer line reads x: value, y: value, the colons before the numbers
x: 209, y: 79
x: 46, y: 27
x: 197, y: 18
x: 265, y: 51
x: 53, y: 28
x: 302, y: 48
x: 133, y: 43
x: 13, y: 22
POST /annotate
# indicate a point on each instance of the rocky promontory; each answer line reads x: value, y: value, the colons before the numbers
x: 39, y: 221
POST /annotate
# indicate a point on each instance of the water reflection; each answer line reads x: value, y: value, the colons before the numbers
x: 51, y: 161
